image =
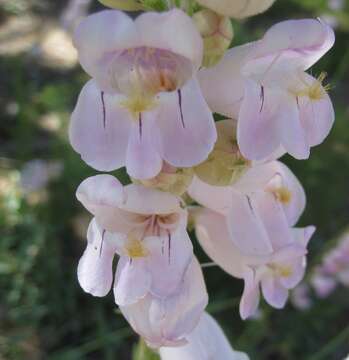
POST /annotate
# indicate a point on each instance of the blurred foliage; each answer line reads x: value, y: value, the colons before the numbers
x: 43, y: 312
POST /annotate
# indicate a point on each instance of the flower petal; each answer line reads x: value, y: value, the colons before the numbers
x: 212, y: 233
x: 99, y: 130
x: 295, y: 207
x: 269, y: 118
x: 257, y: 124
x: 206, y: 342
x: 272, y: 215
x: 223, y: 84
x: 288, y: 46
x: 274, y: 293
x: 317, y: 116
x: 156, y: 31
x: 170, y: 262
x: 98, y: 38
x: 167, y: 322
x: 142, y: 200
x: 271, y: 177
x: 95, y: 272
x: 303, y: 235
x: 246, y: 227
x: 132, y: 281
x: 142, y: 159
x: 298, y: 270
x: 216, y: 198
x: 102, y: 195
x: 190, y: 301
x: 185, y: 115
x: 250, y: 298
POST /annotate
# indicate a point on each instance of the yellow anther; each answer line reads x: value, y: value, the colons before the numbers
x: 282, y: 270
x: 316, y: 90
x: 283, y: 194
x: 135, y: 249
x: 138, y: 104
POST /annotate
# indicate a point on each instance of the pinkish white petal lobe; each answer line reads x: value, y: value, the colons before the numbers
x: 156, y: 31
x: 223, y: 84
x: 216, y: 198
x: 287, y: 47
x: 317, y: 116
x: 186, y: 126
x: 206, y: 342
x: 99, y: 129
x: 257, y: 131
x: 143, y: 200
x: 143, y: 160
x: 102, y: 195
x: 251, y: 295
x: 170, y: 261
x: 274, y: 293
x: 212, y: 233
x: 246, y: 227
x: 132, y: 281
x: 99, y: 37
x: 95, y: 272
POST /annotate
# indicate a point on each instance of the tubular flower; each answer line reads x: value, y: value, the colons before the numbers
x: 169, y: 321
x: 145, y: 227
x: 262, y: 205
x: 282, y: 269
x: 143, y: 96
x: 206, y: 342
x: 265, y: 86
x: 238, y: 8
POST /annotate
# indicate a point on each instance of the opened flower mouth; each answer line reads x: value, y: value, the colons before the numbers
x: 148, y: 70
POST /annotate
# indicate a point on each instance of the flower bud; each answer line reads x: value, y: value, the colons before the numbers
x: 217, y: 33
x: 225, y: 164
x: 237, y: 8
x: 170, y: 179
x: 127, y: 5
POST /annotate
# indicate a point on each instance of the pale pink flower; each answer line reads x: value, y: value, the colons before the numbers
x: 206, y: 342
x: 300, y: 297
x: 264, y: 85
x: 144, y: 104
x: 169, y: 321
x: 274, y: 274
x: 145, y: 227
x: 333, y: 270
x: 263, y: 204
x: 323, y: 284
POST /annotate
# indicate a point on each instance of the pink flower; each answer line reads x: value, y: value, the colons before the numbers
x: 264, y: 85
x: 169, y: 321
x: 263, y: 204
x: 323, y: 284
x: 144, y: 96
x: 300, y: 297
x: 282, y: 269
x: 206, y: 342
x: 145, y: 227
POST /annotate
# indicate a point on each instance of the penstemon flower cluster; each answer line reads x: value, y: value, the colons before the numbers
x: 156, y: 82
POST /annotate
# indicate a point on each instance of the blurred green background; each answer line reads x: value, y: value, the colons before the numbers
x: 43, y: 312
